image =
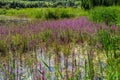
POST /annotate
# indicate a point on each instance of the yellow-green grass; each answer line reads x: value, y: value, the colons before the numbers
x: 43, y: 12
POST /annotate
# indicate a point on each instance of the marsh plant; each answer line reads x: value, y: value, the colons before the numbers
x: 68, y: 49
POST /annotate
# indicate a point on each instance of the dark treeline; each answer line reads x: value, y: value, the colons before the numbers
x: 88, y: 4
x: 38, y: 3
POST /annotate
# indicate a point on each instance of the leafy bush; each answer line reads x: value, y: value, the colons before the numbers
x: 2, y: 11
x: 51, y: 15
x: 65, y: 14
x: 86, y: 4
x: 57, y: 13
x: 38, y: 14
x: 109, y: 15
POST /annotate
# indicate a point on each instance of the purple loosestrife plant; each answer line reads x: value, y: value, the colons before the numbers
x: 43, y: 74
x: 49, y: 31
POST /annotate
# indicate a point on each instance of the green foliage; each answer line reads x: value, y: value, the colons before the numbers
x: 3, y: 49
x: 104, y: 39
x: 36, y: 3
x: 44, y: 13
x: 88, y: 4
x: 46, y: 35
x: 109, y: 42
x: 109, y: 15
x: 51, y: 15
x: 57, y: 13
x: 2, y: 11
x: 64, y: 14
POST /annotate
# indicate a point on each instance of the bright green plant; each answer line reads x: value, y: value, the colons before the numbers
x: 109, y: 15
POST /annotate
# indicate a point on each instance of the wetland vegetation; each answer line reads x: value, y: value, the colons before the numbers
x: 75, y: 40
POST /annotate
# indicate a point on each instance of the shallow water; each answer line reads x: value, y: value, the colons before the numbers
x: 9, y: 20
x: 69, y: 66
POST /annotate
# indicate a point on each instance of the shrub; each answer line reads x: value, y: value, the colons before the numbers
x: 109, y: 15
x: 50, y: 14
x: 86, y: 4
x: 58, y: 13
x: 38, y: 14
x: 65, y: 14
x: 2, y: 11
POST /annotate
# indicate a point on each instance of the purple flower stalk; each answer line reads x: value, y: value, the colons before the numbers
x: 43, y: 74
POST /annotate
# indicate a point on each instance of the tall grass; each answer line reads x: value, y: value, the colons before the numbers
x: 45, y: 13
